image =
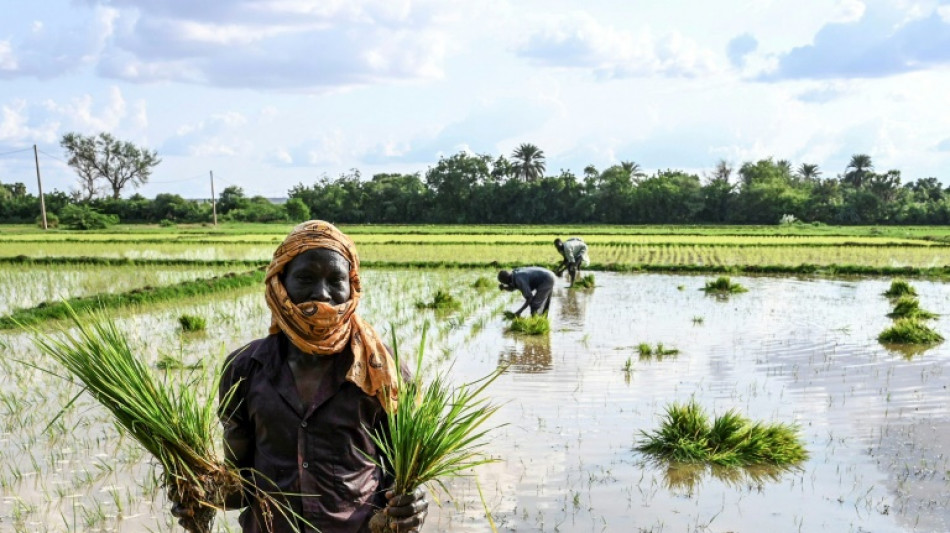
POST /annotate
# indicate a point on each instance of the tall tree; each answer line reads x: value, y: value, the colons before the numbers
x: 808, y: 172
x: 529, y: 161
x: 858, y: 170
x: 634, y: 169
x: 103, y: 157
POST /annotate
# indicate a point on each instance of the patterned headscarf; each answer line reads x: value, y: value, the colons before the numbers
x: 320, y: 328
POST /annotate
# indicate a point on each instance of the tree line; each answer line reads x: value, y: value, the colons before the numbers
x: 484, y: 189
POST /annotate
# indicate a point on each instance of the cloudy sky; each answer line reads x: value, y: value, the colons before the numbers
x: 271, y: 93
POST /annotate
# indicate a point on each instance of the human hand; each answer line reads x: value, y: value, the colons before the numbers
x: 406, y: 512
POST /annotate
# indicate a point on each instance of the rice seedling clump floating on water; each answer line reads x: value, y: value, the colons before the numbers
x: 585, y: 282
x: 647, y: 351
x: 442, y: 301
x: 687, y: 435
x: 170, y: 419
x: 900, y: 288
x: 909, y: 307
x: 723, y: 285
x: 483, y: 283
x: 909, y: 331
x: 532, y: 325
x: 436, y: 430
x: 192, y: 323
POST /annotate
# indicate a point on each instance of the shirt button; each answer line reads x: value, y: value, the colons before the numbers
x: 303, y: 424
x: 306, y: 465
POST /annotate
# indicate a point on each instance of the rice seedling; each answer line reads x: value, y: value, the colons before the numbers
x: 532, y: 325
x: 909, y: 307
x: 909, y: 331
x: 628, y: 365
x: 167, y: 362
x: 173, y: 421
x: 646, y: 351
x: 435, y: 431
x: 698, y: 320
x: 442, y: 301
x: 192, y: 323
x: 585, y: 282
x: 723, y: 285
x: 483, y: 283
x: 687, y: 435
x: 898, y: 288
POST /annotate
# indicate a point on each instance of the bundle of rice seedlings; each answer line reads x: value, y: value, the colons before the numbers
x: 586, y: 282
x: 909, y: 307
x: 723, y: 285
x: 483, y: 283
x: 172, y: 421
x: 909, y: 331
x: 192, y: 323
x: 687, y: 435
x: 900, y: 288
x: 442, y: 301
x: 532, y: 325
x: 437, y: 430
x: 646, y: 351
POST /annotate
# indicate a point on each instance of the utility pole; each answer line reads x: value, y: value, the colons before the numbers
x: 39, y: 184
x: 214, y: 203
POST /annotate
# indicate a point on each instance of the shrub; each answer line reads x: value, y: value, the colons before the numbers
x: 52, y: 221
x: 165, y: 223
x: 686, y: 435
x: 909, y: 331
x: 532, y: 325
x: 82, y: 217
x: 192, y: 323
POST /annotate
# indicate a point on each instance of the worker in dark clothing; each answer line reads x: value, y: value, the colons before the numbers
x: 535, y: 283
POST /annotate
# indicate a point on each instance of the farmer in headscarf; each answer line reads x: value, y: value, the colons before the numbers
x: 307, y: 397
x: 574, y: 254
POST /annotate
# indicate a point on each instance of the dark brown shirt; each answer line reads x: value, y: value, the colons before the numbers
x: 311, y: 452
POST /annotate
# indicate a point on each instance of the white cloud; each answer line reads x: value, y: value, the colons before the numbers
x: 16, y: 128
x: 848, y: 11
x: 81, y: 115
x: 8, y: 59
x: 221, y: 134
x: 944, y: 12
x: 580, y: 41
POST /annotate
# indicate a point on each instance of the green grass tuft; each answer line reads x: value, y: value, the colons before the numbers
x: 900, y: 288
x: 167, y: 362
x: 909, y: 331
x: 687, y: 435
x: 659, y: 352
x: 192, y: 323
x: 723, y: 285
x: 909, y: 307
x: 532, y: 325
x: 442, y: 301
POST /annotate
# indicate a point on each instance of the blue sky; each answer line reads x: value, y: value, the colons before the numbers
x: 268, y: 94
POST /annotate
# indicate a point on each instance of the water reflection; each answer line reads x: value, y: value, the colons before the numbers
x: 531, y: 357
x: 908, y: 351
x: 573, y: 307
x: 688, y: 477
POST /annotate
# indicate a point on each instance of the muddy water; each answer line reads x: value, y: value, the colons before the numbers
x: 875, y: 420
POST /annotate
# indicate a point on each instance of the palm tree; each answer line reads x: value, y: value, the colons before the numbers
x: 858, y: 170
x: 633, y: 168
x: 529, y: 162
x: 808, y: 172
x: 785, y: 166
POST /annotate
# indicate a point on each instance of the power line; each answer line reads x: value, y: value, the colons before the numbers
x: 16, y: 151
x: 53, y: 156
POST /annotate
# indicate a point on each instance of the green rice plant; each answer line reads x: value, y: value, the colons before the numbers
x: 723, y: 285
x: 646, y: 351
x: 171, y: 420
x: 442, y: 301
x: 628, y: 365
x: 900, y: 287
x: 436, y: 430
x: 167, y: 362
x: 698, y: 320
x: 483, y: 283
x: 532, y: 325
x: 687, y: 435
x: 585, y: 282
x: 909, y: 331
x: 909, y: 307
x: 192, y: 323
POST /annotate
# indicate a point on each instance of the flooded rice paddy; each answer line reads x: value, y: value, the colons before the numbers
x: 875, y: 420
